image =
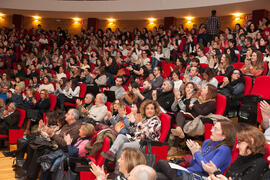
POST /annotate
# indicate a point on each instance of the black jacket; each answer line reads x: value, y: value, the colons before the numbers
x: 165, y: 99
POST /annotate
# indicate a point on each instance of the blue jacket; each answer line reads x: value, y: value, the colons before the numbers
x: 221, y: 157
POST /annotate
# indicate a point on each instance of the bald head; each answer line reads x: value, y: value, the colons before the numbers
x: 142, y: 172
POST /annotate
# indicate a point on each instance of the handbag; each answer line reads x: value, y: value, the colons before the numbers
x: 150, y: 158
x: 61, y: 174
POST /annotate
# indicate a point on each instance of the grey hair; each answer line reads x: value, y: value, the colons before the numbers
x: 144, y: 172
x: 13, y: 104
x: 103, y: 97
x: 169, y: 82
x: 75, y: 113
x: 89, y: 95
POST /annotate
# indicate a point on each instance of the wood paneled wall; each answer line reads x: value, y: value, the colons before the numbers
x: 129, y: 25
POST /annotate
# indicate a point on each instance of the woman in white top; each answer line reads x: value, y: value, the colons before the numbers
x: 176, y: 79
x: 69, y: 94
x: 156, y: 57
x: 60, y: 74
x: 46, y: 85
x: 208, y: 78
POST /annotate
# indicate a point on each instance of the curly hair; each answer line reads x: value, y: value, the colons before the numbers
x: 146, y: 103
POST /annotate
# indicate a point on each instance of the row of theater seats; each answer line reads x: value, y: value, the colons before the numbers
x: 258, y: 88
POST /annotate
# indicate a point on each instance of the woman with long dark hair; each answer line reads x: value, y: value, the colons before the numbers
x: 69, y: 94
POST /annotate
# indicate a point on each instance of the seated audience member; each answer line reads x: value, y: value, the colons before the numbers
x: 217, y: 150
x: 60, y: 86
x: 250, y: 163
x: 224, y: 66
x: 148, y: 129
x: 118, y: 88
x: 208, y: 78
x: 69, y: 94
x: 45, y: 72
x: 164, y: 96
x: 4, y: 90
x: 18, y: 82
x: 265, y: 109
x: 47, y: 85
x: 256, y: 66
x: 206, y: 105
x: 34, y: 83
x: 156, y: 57
x: 60, y: 74
x: 233, y: 87
x: 130, y: 158
x: 36, y: 112
x: 142, y: 172
x: 5, y: 80
x: 101, y: 79
x: 145, y: 94
x: 201, y: 56
x: 15, y: 97
x: 99, y: 110
x: 191, y: 75
x: 183, y: 102
x: 28, y: 98
x: 158, y: 80
x: 9, y: 119
x: 180, y: 65
x: 120, y: 121
x: 88, y: 103
x: 176, y: 80
x: 31, y: 166
x: 78, y: 149
x: 2, y: 106
x: 87, y: 78
x: 130, y: 97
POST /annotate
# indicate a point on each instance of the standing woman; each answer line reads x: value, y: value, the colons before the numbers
x: 69, y: 94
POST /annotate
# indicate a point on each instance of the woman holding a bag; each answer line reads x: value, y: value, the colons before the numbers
x: 206, y: 105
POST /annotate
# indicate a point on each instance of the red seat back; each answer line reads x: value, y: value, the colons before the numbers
x: 83, y: 88
x: 22, y: 116
x: 221, y: 104
x: 261, y: 87
x: 219, y: 78
x: 99, y: 160
x: 203, y: 65
x: 165, y: 126
x: 238, y: 65
x: 53, y: 101
x: 248, y: 85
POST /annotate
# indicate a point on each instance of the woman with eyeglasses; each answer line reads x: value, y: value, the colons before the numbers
x: 250, y: 164
x: 233, y: 87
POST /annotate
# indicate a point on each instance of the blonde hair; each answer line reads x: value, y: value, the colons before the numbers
x: 88, y: 129
x: 133, y: 157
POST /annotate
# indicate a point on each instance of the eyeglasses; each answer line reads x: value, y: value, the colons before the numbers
x: 236, y: 73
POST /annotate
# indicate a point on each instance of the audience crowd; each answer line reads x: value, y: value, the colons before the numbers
x: 117, y: 84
